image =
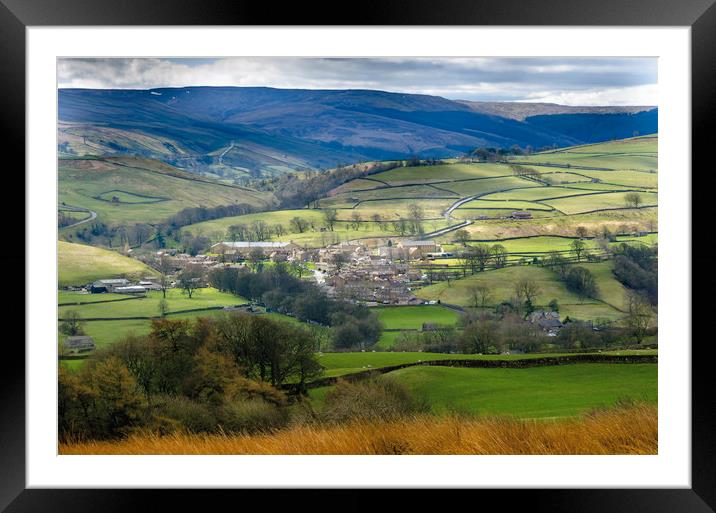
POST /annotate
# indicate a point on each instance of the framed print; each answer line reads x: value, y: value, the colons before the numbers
x: 419, y: 250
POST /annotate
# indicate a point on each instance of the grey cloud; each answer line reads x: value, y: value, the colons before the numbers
x: 484, y: 78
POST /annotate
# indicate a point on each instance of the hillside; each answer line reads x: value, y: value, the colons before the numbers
x: 235, y: 131
x: 131, y: 190
x: 79, y: 264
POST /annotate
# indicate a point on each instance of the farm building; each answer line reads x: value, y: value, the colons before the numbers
x: 547, y: 321
x: 79, y: 344
x: 521, y: 214
x: 134, y: 290
x: 244, y: 248
x: 108, y: 285
x: 420, y: 247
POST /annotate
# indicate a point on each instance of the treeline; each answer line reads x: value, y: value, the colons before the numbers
x: 506, y: 330
x: 354, y: 326
x: 296, y: 191
x: 193, y: 215
x: 213, y: 375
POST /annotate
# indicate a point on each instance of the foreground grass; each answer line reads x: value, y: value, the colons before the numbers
x: 631, y: 430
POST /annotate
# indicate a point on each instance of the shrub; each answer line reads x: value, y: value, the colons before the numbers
x: 380, y: 398
x: 251, y: 416
x: 191, y: 416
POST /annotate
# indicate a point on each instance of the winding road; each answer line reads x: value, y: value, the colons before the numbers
x: 92, y: 213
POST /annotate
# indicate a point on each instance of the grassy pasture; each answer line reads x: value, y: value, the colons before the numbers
x: 149, y: 306
x: 216, y: 230
x: 648, y: 144
x: 67, y: 296
x: 536, y: 193
x: 128, y: 197
x: 413, y: 317
x: 449, y: 172
x: 488, y: 185
x: 590, y: 202
x: 395, y: 209
x: 537, y: 392
x: 501, y: 283
x: 644, y: 219
x: 558, y: 177
x: 537, y: 244
x: 79, y: 264
x: 503, y: 204
x: 81, y: 181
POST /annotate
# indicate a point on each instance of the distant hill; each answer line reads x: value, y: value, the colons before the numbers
x: 232, y: 131
x: 133, y: 190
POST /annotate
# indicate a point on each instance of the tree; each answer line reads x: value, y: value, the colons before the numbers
x: 499, y: 255
x: 356, y: 220
x: 632, y: 199
x: 72, y: 324
x: 526, y: 290
x: 163, y: 307
x: 298, y: 224
x: 462, y: 236
x: 581, y: 280
x: 482, y: 255
x: 481, y: 336
x: 165, y: 269
x: 330, y: 215
x: 190, y: 278
x: 480, y: 294
x: 578, y: 246
x: 415, y: 218
x: 581, y: 232
x: 639, y: 315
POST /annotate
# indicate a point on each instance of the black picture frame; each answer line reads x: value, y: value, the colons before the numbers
x: 700, y: 15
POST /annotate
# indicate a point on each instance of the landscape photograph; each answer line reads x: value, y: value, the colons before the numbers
x: 357, y: 256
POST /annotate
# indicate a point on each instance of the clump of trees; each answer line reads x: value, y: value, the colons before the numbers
x: 355, y: 326
x: 636, y: 266
x: 208, y: 376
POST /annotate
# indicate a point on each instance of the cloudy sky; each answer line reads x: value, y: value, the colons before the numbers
x: 568, y: 81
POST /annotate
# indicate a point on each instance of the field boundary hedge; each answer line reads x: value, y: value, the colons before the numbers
x: 522, y: 363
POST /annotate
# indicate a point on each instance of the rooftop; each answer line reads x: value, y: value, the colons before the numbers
x: 249, y: 244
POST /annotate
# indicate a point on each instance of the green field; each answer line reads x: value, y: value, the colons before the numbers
x: 413, y: 317
x: 149, y: 306
x: 537, y: 392
x: 67, y: 296
x: 534, y: 245
x: 592, y: 202
x: 79, y: 264
x: 90, y: 183
x: 643, y: 219
x: 501, y: 283
x: 450, y: 172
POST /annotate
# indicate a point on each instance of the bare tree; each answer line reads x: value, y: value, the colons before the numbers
x: 632, y: 199
x: 190, y: 278
x: 527, y: 290
x: 330, y: 215
x: 639, y: 315
x: 480, y: 294
x: 462, y: 236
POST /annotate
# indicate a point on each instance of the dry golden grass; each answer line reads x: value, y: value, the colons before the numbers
x: 627, y: 430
